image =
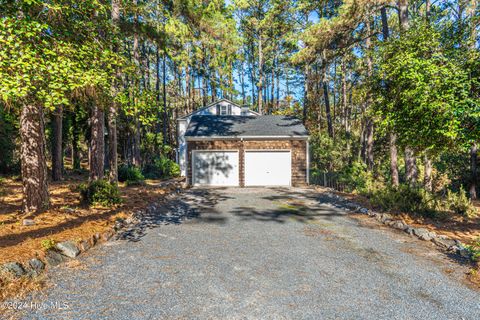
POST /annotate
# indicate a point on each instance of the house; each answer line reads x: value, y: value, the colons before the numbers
x: 224, y: 144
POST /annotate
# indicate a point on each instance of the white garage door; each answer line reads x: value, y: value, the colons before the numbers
x: 215, y: 168
x: 268, y: 168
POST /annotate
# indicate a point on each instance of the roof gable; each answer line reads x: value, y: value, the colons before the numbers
x: 204, y: 108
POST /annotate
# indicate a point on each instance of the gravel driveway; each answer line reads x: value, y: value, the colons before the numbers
x: 259, y: 254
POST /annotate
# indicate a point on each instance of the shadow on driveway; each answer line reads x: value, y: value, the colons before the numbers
x: 192, y: 204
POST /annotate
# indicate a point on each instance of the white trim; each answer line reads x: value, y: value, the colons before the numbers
x: 200, y: 138
x: 213, y: 150
x: 266, y: 150
x: 212, y: 104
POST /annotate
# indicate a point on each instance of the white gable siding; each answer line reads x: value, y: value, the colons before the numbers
x: 182, y: 125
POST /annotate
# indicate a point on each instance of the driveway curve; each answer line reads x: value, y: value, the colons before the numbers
x: 258, y: 254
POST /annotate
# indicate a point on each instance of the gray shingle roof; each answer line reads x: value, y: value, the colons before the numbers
x: 245, y: 126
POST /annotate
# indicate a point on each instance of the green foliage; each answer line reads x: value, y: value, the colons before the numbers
x: 460, y: 204
x: 8, y: 161
x: 427, y: 98
x: 47, y: 244
x: 474, y: 249
x: 355, y: 177
x: 100, y: 192
x: 161, y: 168
x: 130, y: 175
x: 326, y: 153
x: 416, y: 200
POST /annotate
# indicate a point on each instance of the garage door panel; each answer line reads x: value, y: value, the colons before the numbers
x: 268, y: 168
x: 215, y: 168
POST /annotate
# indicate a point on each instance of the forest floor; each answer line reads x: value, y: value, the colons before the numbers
x: 67, y: 218
x: 466, y: 230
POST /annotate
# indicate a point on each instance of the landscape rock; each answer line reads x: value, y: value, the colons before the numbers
x: 424, y: 234
x: 68, y: 248
x: 464, y: 252
x: 36, y: 265
x: 443, y: 242
x: 28, y: 222
x: 386, y: 217
x: 14, y: 268
x: 409, y: 230
x: 398, y: 224
x: 363, y: 210
x: 54, y: 258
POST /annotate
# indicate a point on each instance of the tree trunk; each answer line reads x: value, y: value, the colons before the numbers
x: 305, y: 93
x: 272, y: 84
x: 370, y: 124
x: 327, y: 99
x: 136, y: 60
x: 260, y: 76
x: 344, y: 93
x: 57, y: 150
x: 392, y: 135
x: 242, y: 83
x: 164, y: 95
x: 403, y: 14
x: 427, y: 179
x: 473, y: 170
x: 97, y: 143
x: 393, y: 159
x: 75, y: 140
x: 277, y: 99
x: 112, y: 113
x: 33, y: 160
x: 411, y: 172
x: 428, y: 7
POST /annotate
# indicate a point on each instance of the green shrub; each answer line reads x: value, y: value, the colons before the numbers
x: 474, y: 249
x: 161, y: 168
x: 401, y: 199
x: 460, y: 204
x: 131, y: 175
x: 416, y: 200
x: 100, y: 192
x: 355, y: 177
x: 47, y: 244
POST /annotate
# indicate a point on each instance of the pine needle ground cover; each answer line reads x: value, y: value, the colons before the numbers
x: 67, y: 219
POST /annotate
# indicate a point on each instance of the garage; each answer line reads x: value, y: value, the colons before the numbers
x: 247, y: 151
x: 268, y: 168
x: 215, y: 168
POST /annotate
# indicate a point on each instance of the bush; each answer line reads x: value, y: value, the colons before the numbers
x: 416, y: 200
x: 474, y: 249
x: 131, y: 175
x: 355, y: 177
x: 100, y: 192
x: 460, y: 204
x: 161, y: 168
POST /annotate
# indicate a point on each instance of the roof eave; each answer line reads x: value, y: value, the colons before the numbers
x: 282, y: 137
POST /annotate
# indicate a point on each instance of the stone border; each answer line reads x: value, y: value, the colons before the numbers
x: 67, y: 250
x: 441, y: 241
